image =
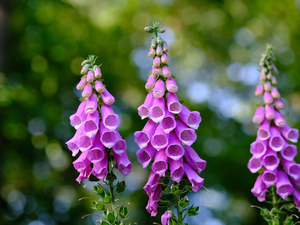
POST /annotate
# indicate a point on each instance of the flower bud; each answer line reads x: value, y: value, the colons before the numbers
x: 274, y: 81
x: 156, y: 70
x: 262, y: 61
x: 147, y: 29
x: 81, y: 84
x: 151, y: 52
x: 90, y: 76
x: 159, y: 50
x: 161, y: 31
x: 279, y: 105
x: 264, y: 70
x: 84, y: 62
x: 269, y: 76
x: 166, y: 71
x: 97, y: 72
x: 164, y: 59
x: 262, y: 76
x: 99, y: 86
x: 87, y: 91
x: 275, y: 93
x: 267, y: 86
x: 165, y: 47
x: 158, y: 40
x: 156, y: 61
x: 259, y: 90
x: 153, y: 43
x: 274, y: 69
x: 85, y: 69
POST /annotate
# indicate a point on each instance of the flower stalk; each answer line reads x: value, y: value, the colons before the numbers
x: 101, y: 147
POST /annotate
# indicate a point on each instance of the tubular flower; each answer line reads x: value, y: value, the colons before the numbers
x: 169, y: 132
x: 273, y: 155
x: 96, y: 137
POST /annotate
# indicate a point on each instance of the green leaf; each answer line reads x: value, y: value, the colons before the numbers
x: 81, y: 99
x: 100, y: 206
x: 107, y: 198
x: 189, y: 188
x: 121, y: 187
x: 265, y: 213
x: 111, y: 217
x: 289, y: 206
x: 104, y: 223
x: 164, y: 202
x: 289, y: 221
x: 184, y: 202
x: 193, y: 211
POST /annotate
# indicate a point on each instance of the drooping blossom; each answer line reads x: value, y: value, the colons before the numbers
x: 169, y: 132
x: 273, y: 154
x: 96, y: 137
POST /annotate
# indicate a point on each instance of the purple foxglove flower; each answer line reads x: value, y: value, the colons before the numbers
x: 159, y: 50
x: 91, y: 105
x: 288, y: 152
x: 72, y: 143
x: 267, y: 86
x: 296, y: 195
x: 156, y: 70
x: 150, y: 82
x: 279, y: 120
x: 160, y: 139
x: 283, y: 185
x: 174, y: 150
x: 260, y: 189
x: 290, y: 133
x: 185, y: 134
x: 143, y: 110
x: 142, y: 138
x: 144, y: 156
x: 275, y: 94
x: 97, y: 152
x: 110, y: 119
x: 268, y: 99
x: 153, y: 201
x: 160, y: 164
x: 84, y: 142
x: 173, y: 104
x: 292, y: 168
x: 165, y: 59
x: 270, y: 160
x: 274, y: 81
x: 165, y: 218
x: 156, y: 61
x: 84, y: 174
x: 124, y: 165
x: 165, y: 47
x: 264, y: 130
x: 90, y: 76
x: 171, y: 85
x: 84, y: 69
x: 166, y: 71
x: 159, y: 89
x: 87, y: 91
x: 168, y: 122
x: 90, y: 125
x: 100, y: 169
x: 192, y: 119
x: 80, y: 116
x: 269, y: 177
x: 259, y: 90
x: 279, y: 105
x: 107, y: 98
x: 263, y: 76
x: 259, y: 147
x: 194, y: 178
x: 99, y: 86
x: 108, y: 137
x: 270, y: 112
x: 176, y: 169
x: 259, y: 115
x: 120, y: 146
x: 157, y: 110
x: 152, y: 183
x: 276, y: 141
x: 193, y: 159
x: 82, y: 162
x: 81, y: 83
x: 151, y: 52
x: 98, y: 72
x: 254, y: 164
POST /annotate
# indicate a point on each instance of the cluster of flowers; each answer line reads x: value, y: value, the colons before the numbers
x: 95, y: 137
x: 169, y: 132
x: 271, y: 150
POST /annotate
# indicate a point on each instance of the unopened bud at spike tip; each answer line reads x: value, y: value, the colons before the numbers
x: 153, y: 43
x: 85, y: 69
x: 81, y: 84
x: 269, y: 76
x: 98, y: 72
x: 164, y: 59
x: 165, y: 47
x: 159, y: 50
x: 259, y: 90
x: 267, y: 86
x: 84, y: 62
x: 274, y: 81
x: 90, y: 76
x: 151, y: 52
x: 263, y: 76
x: 159, y: 40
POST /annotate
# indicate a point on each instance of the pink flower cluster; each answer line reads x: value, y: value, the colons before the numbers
x: 169, y: 132
x: 95, y: 137
x: 271, y: 150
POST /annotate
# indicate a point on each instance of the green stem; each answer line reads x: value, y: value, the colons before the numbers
x: 274, y: 197
x: 179, y: 210
x: 111, y: 189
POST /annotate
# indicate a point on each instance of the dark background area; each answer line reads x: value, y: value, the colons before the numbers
x: 215, y: 48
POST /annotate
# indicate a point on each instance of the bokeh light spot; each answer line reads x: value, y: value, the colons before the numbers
x: 39, y: 64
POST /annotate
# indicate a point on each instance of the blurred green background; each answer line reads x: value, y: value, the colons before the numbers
x: 215, y: 49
